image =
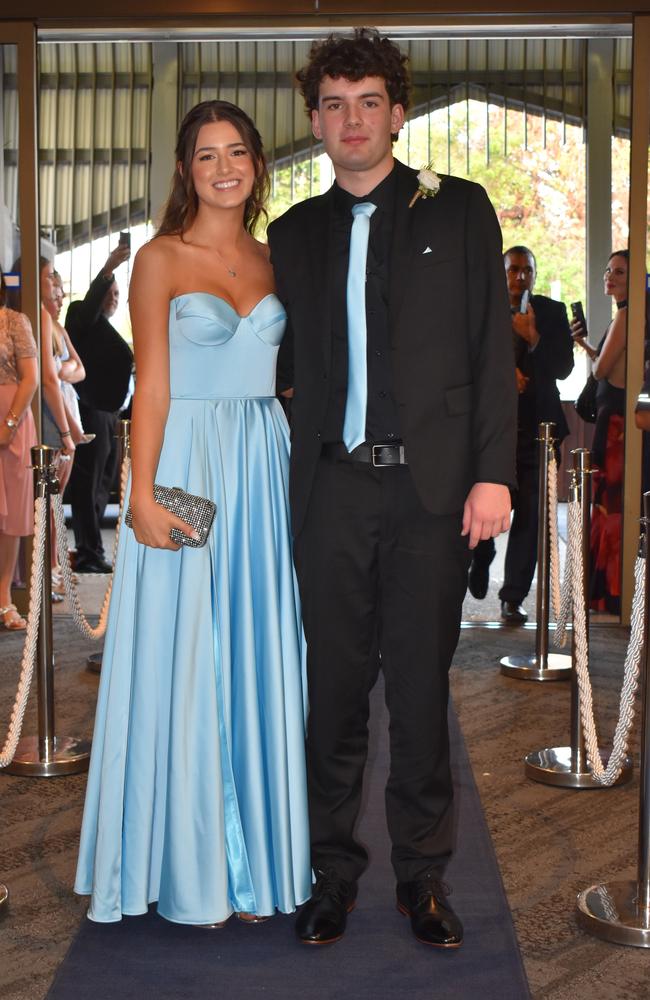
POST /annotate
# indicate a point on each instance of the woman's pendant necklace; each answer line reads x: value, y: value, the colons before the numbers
x: 231, y: 271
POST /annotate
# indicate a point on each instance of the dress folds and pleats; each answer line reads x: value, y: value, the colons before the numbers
x: 196, y: 792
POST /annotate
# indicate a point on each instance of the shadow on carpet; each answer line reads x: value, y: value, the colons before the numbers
x: 378, y: 959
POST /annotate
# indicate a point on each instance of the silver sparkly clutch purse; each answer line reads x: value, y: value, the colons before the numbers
x: 196, y: 511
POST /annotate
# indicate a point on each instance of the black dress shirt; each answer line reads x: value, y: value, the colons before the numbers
x: 382, y: 423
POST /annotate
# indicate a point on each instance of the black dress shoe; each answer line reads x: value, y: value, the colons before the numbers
x: 513, y: 613
x: 323, y: 918
x: 95, y: 565
x: 479, y: 579
x: 432, y: 919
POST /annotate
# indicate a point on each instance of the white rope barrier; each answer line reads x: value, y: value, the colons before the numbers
x: 63, y: 556
x: 604, y: 775
x: 31, y: 635
x: 35, y: 604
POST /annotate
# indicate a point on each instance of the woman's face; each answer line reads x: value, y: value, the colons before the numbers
x: 47, y: 283
x: 615, y: 278
x: 59, y: 295
x: 223, y: 170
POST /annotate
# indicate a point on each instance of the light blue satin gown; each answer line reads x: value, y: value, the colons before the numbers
x: 196, y: 793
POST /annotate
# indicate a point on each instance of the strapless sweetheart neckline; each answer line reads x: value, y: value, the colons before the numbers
x: 212, y: 295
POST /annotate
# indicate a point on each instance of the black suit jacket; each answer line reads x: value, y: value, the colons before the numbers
x: 552, y: 359
x: 450, y: 339
x: 106, y: 356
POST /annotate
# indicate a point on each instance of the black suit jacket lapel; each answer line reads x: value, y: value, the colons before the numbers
x: 319, y: 244
x: 403, y: 244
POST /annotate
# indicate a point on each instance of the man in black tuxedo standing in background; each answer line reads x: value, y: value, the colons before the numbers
x: 543, y: 351
x: 108, y: 361
x: 403, y: 438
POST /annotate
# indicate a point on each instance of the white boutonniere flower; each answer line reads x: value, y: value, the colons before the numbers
x: 428, y: 184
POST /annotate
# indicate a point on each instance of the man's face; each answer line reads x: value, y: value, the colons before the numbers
x: 355, y: 121
x: 111, y: 300
x: 520, y: 273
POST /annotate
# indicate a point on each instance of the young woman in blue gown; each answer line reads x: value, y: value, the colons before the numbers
x: 196, y: 794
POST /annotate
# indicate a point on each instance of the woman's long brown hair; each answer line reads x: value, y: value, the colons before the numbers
x: 182, y: 205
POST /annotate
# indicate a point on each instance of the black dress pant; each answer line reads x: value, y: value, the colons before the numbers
x: 377, y: 570
x: 521, y: 551
x: 93, y: 474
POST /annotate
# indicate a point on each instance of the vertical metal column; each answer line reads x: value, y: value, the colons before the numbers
x: 47, y: 755
x: 582, y: 476
x: 567, y: 767
x: 619, y: 911
x: 543, y: 666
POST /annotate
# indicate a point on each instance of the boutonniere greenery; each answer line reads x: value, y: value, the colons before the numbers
x: 428, y: 184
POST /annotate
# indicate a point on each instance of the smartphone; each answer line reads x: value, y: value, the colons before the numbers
x: 125, y: 239
x: 578, y: 314
x: 525, y: 298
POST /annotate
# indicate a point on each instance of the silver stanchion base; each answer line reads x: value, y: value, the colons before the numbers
x: 552, y: 766
x: 611, y: 911
x: 527, y: 668
x: 94, y: 662
x: 4, y: 896
x: 69, y: 756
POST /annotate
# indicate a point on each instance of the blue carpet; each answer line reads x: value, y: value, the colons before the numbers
x: 378, y: 959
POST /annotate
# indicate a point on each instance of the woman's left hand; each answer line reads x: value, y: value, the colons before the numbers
x: 6, y: 435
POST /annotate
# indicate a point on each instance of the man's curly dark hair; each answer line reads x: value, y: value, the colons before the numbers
x: 365, y: 53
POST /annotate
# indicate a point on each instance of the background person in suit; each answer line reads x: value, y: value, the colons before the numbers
x: 386, y: 495
x: 108, y: 361
x: 543, y: 350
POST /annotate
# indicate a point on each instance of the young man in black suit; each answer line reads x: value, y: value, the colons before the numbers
x: 108, y: 361
x: 403, y: 432
x: 543, y: 351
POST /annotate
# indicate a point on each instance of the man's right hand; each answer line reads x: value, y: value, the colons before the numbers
x: 116, y: 257
x: 522, y: 381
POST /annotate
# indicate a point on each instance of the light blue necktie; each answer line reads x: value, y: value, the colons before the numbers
x: 354, y: 424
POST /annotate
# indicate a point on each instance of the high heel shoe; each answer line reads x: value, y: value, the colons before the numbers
x: 11, y: 619
x: 251, y: 918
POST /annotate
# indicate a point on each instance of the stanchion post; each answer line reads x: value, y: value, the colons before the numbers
x: 45, y: 484
x: 94, y: 660
x: 47, y: 755
x: 567, y: 767
x: 125, y: 440
x: 582, y: 485
x: 543, y: 666
x: 546, y: 445
x: 619, y: 911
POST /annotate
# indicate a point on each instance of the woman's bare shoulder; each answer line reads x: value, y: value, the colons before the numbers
x: 159, y: 249
x: 618, y: 328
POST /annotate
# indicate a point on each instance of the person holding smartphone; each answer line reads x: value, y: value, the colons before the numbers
x: 608, y: 366
x: 543, y: 352
x: 108, y: 361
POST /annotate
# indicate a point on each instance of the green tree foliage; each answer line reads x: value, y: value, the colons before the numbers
x: 534, y: 175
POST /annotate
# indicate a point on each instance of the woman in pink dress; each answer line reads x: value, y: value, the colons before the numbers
x: 18, y: 382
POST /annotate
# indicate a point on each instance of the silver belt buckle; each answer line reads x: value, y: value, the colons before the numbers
x: 382, y: 465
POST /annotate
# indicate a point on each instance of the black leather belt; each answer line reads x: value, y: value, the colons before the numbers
x: 380, y: 454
